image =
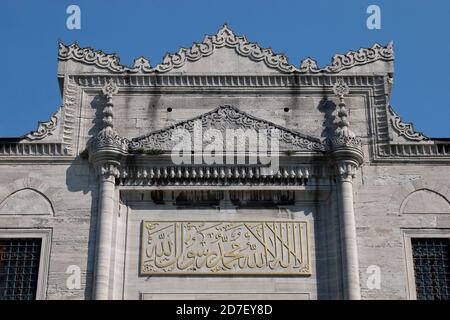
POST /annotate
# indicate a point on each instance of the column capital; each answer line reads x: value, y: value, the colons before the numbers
x: 108, y: 170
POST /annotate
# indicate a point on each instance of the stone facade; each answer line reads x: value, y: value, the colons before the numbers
x: 96, y: 178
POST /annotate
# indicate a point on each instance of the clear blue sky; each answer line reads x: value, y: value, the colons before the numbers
x: 29, y: 33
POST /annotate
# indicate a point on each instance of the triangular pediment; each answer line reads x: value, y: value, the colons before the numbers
x: 222, y: 119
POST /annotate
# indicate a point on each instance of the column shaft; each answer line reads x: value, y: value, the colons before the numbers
x: 104, y: 237
x: 348, y: 233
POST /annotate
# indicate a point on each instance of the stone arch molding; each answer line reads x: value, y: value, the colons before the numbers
x: 26, y: 197
x: 425, y: 201
x: 398, y: 199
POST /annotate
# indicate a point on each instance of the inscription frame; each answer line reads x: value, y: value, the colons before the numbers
x: 306, y: 270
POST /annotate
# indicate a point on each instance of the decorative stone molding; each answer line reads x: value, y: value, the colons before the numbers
x: 26, y: 201
x: 351, y: 59
x: 52, y: 195
x: 405, y: 129
x: 69, y: 109
x: 225, y: 37
x: 217, y: 175
x: 279, y: 81
x: 32, y: 149
x: 44, y: 128
x: 338, y: 142
x: 227, y: 117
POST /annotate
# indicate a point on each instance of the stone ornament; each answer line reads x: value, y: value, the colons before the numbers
x: 45, y: 128
x: 405, y: 129
x: 340, y: 88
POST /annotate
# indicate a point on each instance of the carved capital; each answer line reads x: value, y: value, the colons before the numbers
x: 108, y: 140
x: 108, y: 170
x: 345, y: 170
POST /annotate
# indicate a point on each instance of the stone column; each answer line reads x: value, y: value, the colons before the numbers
x: 105, y: 152
x: 105, y: 222
x: 349, y: 250
x: 346, y: 155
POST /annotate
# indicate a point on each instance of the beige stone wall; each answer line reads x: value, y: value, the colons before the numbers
x: 379, y: 195
x: 71, y: 191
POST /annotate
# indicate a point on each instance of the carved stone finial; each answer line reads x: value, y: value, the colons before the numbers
x: 345, y: 146
x: 107, y: 145
x: 341, y: 89
x: 109, y: 90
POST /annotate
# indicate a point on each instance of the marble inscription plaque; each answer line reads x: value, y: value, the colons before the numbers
x: 225, y: 247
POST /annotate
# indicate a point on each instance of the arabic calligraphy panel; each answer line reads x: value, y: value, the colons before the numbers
x: 224, y: 247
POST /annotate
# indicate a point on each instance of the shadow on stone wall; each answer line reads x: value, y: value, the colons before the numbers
x: 327, y: 107
x: 80, y: 177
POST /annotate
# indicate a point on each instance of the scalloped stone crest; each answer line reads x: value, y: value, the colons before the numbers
x: 45, y: 128
x: 225, y: 37
x: 405, y: 129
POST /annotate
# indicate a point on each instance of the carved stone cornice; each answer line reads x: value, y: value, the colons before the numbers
x: 405, y: 129
x: 225, y: 37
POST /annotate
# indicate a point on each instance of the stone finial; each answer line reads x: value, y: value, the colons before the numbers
x: 341, y: 89
x: 107, y: 144
x: 109, y: 90
x: 345, y: 146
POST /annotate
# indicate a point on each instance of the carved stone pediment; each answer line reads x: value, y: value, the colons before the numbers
x: 222, y: 119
